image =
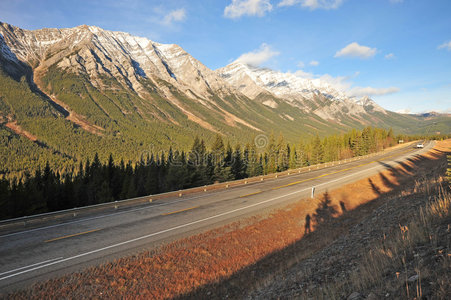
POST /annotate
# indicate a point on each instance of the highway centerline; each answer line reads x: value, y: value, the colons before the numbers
x: 179, y: 211
x: 250, y: 194
x: 71, y: 235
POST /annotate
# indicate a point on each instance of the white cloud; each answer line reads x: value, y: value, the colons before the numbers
x: 313, y: 4
x: 314, y: 63
x: 446, y: 45
x: 356, y: 50
x: 239, y: 8
x: 370, y: 91
x: 404, y: 111
x: 340, y: 83
x: 345, y: 84
x: 303, y: 74
x: 257, y: 57
x: 177, y: 15
x: 301, y: 64
x: 389, y: 56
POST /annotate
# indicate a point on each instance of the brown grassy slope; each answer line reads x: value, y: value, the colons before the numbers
x: 236, y: 258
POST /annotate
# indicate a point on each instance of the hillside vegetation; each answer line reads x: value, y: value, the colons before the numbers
x: 89, y: 183
x: 87, y: 90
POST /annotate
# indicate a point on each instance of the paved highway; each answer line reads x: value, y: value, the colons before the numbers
x: 49, y: 250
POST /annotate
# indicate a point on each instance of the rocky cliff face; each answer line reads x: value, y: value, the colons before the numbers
x: 92, y: 51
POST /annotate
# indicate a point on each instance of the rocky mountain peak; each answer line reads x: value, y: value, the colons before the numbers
x: 308, y: 94
x: 95, y: 51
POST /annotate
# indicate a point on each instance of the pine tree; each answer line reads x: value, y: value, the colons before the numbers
x: 237, y: 167
x: 218, y: 150
x: 271, y: 156
x: 293, y: 158
x: 301, y: 156
x: 317, y: 151
x: 196, y: 164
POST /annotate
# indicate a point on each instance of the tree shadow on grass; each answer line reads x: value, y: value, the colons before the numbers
x: 325, y: 211
x: 376, y: 189
x: 328, y: 227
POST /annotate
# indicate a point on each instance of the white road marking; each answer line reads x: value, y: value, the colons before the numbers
x: 179, y: 226
x: 29, y: 266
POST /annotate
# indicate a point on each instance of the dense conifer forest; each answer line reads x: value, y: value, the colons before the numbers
x: 95, y: 181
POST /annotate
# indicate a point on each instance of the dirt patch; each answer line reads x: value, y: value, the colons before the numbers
x: 231, y: 119
x: 192, y: 117
x: 19, y: 130
x: 247, y: 256
x: 71, y: 115
x: 78, y: 119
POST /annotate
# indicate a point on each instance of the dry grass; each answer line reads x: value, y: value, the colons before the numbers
x: 401, y: 264
x: 411, y: 262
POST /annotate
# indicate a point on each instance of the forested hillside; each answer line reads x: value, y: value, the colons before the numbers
x: 66, y: 95
x: 94, y: 182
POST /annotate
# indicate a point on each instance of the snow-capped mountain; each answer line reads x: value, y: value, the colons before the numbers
x: 278, y: 83
x: 112, y: 83
x: 310, y: 95
x: 94, y: 51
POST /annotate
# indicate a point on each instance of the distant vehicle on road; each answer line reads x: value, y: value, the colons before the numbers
x: 420, y: 145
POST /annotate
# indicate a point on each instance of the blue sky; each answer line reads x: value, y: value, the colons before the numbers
x: 397, y: 51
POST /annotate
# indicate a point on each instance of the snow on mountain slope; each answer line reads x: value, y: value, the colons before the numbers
x: 310, y: 95
x: 369, y: 104
x: 95, y: 51
x: 97, y: 54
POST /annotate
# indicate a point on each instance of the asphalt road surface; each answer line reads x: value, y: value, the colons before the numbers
x: 50, y: 250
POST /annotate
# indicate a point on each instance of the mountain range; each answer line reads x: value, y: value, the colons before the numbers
x: 75, y: 91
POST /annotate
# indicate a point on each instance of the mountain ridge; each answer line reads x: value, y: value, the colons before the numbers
x: 84, y: 90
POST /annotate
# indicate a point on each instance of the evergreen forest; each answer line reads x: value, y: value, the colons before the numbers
x: 95, y: 181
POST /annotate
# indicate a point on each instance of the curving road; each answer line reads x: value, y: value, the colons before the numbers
x: 49, y: 250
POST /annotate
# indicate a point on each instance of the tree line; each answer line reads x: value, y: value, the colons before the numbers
x: 94, y: 182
